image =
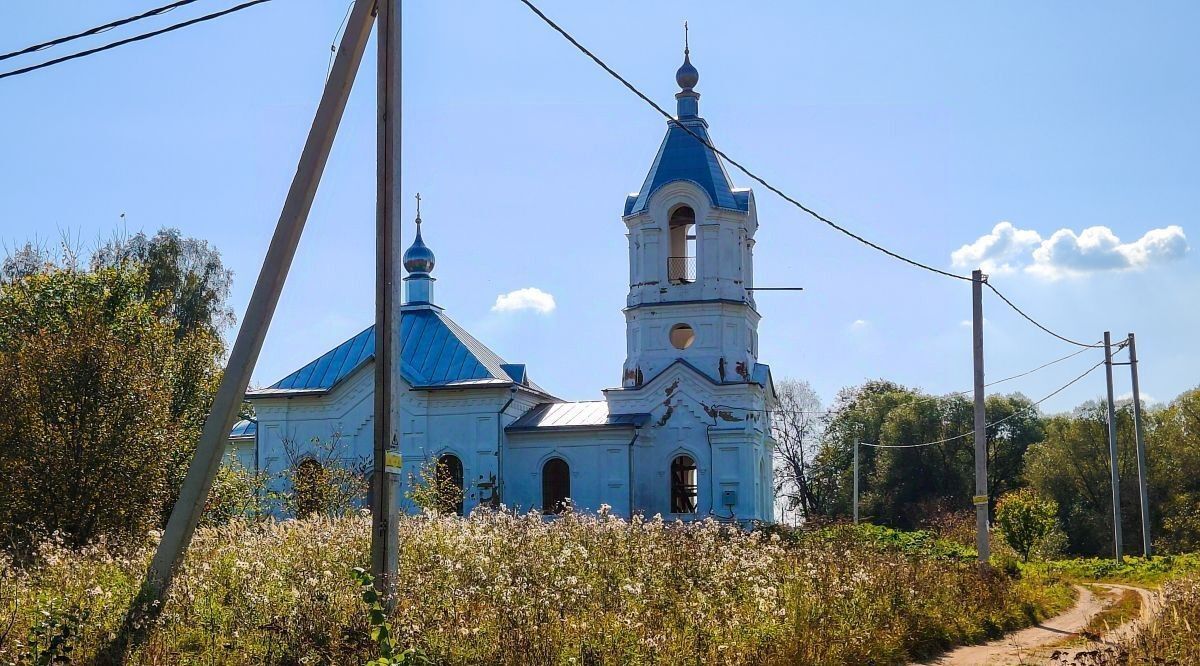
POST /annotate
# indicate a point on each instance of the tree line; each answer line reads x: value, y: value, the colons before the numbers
x: 1060, y: 457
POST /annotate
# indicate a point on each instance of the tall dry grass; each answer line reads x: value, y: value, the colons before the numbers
x: 503, y: 589
x: 1173, y: 636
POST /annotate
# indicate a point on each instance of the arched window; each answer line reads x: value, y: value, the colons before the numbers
x: 310, y: 488
x: 556, y: 486
x: 683, y: 485
x: 450, y: 484
x: 681, y: 264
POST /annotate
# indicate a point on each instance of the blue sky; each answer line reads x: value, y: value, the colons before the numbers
x: 920, y: 125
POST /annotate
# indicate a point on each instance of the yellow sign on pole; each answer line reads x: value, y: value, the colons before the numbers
x: 393, y: 461
x: 980, y: 499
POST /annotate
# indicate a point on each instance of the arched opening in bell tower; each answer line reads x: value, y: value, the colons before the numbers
x: 681, y: 263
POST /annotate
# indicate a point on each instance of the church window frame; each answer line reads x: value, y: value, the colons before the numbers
x: 681, y: 336
x: 685, y: 485
x: 682, y: 250
x: 556, y: 486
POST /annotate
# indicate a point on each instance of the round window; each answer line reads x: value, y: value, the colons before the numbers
x: 682, y: 336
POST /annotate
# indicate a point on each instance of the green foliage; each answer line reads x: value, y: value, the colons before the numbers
x: 236, y: 493
x: 106, y: 377
x: 906, y: 487
x: 1071, y: 466
x: 52, y: 639
x: 189, y: 271
x: 1134, y: 570
x: 86, y: 434
x: 1064, y: 458
x: 321, y: 478
x: 434, y: 490
x: 381, y: 629
x: 1173, y: 452
x: 914, y: 543
x: 1025, y: 519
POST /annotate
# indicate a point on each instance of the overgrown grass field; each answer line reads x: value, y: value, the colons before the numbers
x: 497, y: 588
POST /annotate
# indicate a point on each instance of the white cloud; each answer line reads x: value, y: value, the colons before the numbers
x: 1147, y: 399
x: 994, y: 252
x: 859, y: 324
x: 529, y: 298
x: 1098, y: 249
x: 1067, y: 254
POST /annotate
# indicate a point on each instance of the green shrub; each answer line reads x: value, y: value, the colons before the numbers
x: 1025, y: 519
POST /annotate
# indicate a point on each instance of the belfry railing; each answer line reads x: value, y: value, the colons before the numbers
x: 681, y: 270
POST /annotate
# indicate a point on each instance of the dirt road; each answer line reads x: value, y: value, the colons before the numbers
x: 1036, y: 644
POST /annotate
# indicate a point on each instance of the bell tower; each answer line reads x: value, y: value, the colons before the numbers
x: 691, y: 257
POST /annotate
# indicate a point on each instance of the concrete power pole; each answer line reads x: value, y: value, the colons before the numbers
x: 1139, y: 438
x: 856, y: 447
x: 246, y: 347
x: 1118, y: 548
x: 385, y: 480
x: 981, y: 481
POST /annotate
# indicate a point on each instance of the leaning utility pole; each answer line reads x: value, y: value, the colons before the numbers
x: 246, y: 347
x: 386, y: 468
x: 1138, y: 437
x: 1118, y: 549
x: 981, y: 484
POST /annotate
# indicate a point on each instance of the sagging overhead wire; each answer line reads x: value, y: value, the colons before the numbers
x: 1036, y: 323
x: 821, y: 218
x: 632, y: 88
x: 993, y: 423
x: 923, y: 398
x: 136, y: 38
x: 96, y: 30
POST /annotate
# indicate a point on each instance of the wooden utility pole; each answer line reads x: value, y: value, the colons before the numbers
x: 981, y: 485
x: 1118, y: 548
x: 246, y: 347
x: 1140, y: 439
x: 388, y: 251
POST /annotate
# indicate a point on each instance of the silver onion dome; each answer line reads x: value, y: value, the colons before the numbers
x: 687, y: 77
x: 418, y: 258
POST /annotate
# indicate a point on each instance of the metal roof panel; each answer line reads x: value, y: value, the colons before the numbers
x: 435, y: 351
x: 586, y: 414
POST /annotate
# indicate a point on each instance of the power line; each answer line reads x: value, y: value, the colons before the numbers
x: 97, y: 30
x: 333, y: 44
x: 729, y: 159
x: 993, y: 423
x: 895, y: 255
x: 130, y: 40
x: 923, y: 398
x: 1035, y: 322
x: 1030, y: 372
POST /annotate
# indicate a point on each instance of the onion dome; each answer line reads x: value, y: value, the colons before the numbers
x: 687, y: 99
x: 418, y: 258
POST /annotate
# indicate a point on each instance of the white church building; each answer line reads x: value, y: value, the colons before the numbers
x: 685, y: 434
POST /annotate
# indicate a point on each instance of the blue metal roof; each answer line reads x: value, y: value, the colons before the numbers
x: 587, y: 414
x: 435, y: 352
x: 682, y: 157
x: 244, y: 429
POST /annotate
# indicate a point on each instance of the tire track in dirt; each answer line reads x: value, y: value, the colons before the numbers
x: 1032, y: 645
